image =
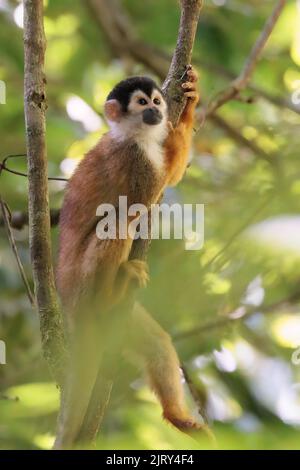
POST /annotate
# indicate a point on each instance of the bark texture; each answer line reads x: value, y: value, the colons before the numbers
x: 190, y: 11
x: 38, y: 210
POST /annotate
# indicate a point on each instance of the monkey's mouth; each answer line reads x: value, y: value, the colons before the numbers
x: 152, y: 116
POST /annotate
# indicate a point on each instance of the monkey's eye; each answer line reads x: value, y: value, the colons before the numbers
x: 142, y: 101
x: 156, y: 101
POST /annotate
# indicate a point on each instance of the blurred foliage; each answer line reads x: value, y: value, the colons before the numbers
x: 251, y: 255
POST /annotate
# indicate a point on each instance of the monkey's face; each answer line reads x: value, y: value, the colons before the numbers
x: 149, y: 110
x: 136, y: 107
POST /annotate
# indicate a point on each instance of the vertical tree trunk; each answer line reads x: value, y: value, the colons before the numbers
x: 190, y: 12
x: 39, y: 215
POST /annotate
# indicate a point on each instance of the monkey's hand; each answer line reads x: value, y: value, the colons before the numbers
x: 178, y: 142
x: 191, y: 93
x: 190, y: 85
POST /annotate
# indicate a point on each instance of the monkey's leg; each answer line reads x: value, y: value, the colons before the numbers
x: 162, y: 365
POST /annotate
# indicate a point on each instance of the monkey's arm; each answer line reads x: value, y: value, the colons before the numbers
x: 178, y: 142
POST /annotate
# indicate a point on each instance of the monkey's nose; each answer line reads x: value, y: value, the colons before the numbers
x: 152, y: 116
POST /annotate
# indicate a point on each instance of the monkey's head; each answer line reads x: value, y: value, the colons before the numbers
x: 136, y: 104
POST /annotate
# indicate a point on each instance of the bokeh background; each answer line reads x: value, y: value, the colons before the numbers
x: 232, y: 307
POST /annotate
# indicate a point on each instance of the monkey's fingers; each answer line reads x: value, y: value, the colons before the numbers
x: 192, y: 95
x: 192, y: 75
x: 189, y: 86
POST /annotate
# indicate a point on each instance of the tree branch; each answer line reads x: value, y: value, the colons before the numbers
x: 235, y: 135
x: 19, y: 219
x: 276, y: 100
x: 198, y: 394
x: 246, y: 312
x: 39, y: 217
x: 181, y: 58
x: 4, y: 167
x: 244, y: 77
x: 119, y: 31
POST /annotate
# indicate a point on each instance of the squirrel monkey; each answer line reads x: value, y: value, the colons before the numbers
x: 139, y: 157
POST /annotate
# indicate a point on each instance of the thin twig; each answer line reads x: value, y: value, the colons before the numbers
x: 3, y: 166
x: 19, y: 173
x: 8, y: 398
x: 239, y: 230
x: 6, y: 218
x: 19, y: 219
x: 276, y: 100
x: 199, y: 398
x: 231, y: 318
x: 244, y: 77
x: 235, y: 135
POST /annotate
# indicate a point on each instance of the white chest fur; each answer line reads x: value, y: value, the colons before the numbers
x: 154, y: 152
x: 149, y: 138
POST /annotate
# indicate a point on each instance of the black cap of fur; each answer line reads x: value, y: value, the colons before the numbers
x: 123, y: 90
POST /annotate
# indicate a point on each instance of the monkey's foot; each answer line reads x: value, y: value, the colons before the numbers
x: 137, y: 270
x: 190, y: 86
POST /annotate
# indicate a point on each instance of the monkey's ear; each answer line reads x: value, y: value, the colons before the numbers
x: 113, y: 111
